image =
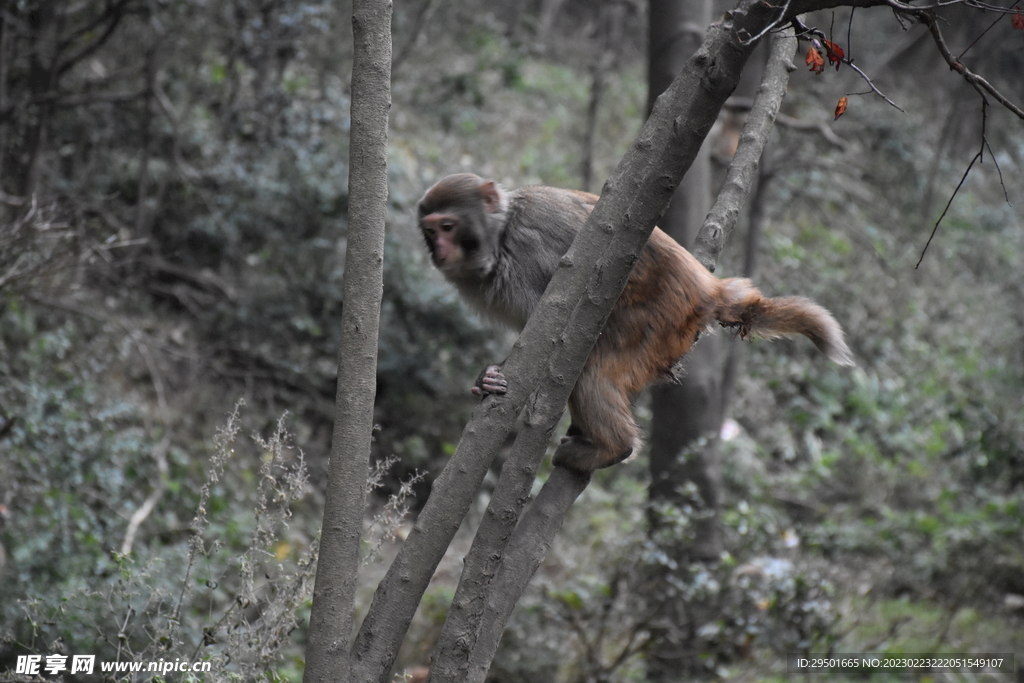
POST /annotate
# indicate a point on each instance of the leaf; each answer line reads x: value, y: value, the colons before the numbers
x: 840, y: 107
x: 1018, y: 20
x: 835, y: 53
x: 814, y: 60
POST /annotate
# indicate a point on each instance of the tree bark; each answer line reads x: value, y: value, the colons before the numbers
x: 330, y: 626
x: 684, y: 411
x: 530, y: 543
x: 548, y: 356
x: 686, y: 414
x: 607, y: 36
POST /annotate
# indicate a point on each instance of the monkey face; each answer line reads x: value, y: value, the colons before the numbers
x: 455, y: 216
x: 437, y: 231
x: 445, y: 238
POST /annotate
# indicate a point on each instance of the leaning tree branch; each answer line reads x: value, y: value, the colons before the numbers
x: 549, y: 355
x: 450, y: 659
x: 530, y: 543
x: 743, y: 169
x: 533, y: 535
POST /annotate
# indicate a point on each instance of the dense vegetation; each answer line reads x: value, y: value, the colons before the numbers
x: 172, y: 227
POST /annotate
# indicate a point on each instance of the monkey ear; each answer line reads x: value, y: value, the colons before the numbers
x: 491, y: 196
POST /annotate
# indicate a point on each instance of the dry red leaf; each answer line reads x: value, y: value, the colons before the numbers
x: 814, y: 60
x: 840, y: 107
x: 834, y: 52
x: 1018, y: 20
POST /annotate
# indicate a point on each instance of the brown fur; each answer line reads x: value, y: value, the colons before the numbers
x: 669, y: 299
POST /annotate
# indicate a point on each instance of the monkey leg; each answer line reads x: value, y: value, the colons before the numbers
x: 603, y: 431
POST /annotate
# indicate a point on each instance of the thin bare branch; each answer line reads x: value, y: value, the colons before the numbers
x: 769, y: 27
x: 951, y: 198
x: 995, y: 161
x: 979, y: 37
x: 979, y: 83
x: 871, y: 85
x: 159, y: 450
x: 805, y: 31
x: 979, y: 156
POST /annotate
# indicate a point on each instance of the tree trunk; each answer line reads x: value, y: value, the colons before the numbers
x: 330, y: 624
x: 686, y: 414
x: 558, y: 338
x: 685, y: 411
x: 607, y: 36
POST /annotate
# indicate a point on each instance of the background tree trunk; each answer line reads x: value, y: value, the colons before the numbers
x: 330, y: 624
x: 685, y: 411
x: 560, y: 334
x: 682, y: 466
x: 687, y: 415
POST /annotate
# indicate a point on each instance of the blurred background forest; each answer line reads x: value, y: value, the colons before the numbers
x: 173, y: 179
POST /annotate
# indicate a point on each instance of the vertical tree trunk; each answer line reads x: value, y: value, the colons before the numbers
x: 686, y: 411
x: 607, y: 35
x: 330, y: 624
x: 557, y: 339
x: 690, y: 409
x: 673, y: 651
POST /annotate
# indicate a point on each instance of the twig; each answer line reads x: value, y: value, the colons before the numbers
x: 979, y: 83
x: 980, y: 35
x: 802, y: 30
x: 977, y: 156
x: 771, y: 25
x: 936, y: 227
x: 871, y: 85
x: 995, y: 161
x: 926, y: 16
x: 849, y: 33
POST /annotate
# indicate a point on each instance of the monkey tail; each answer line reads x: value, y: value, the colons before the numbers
x: 742, y: 305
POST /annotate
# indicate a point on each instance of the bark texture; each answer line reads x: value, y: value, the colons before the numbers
x: 330, y: 623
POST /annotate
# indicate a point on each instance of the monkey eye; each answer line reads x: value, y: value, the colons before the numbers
x: 447, y: 227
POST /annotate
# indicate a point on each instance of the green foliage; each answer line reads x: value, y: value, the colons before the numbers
x: 72, y: 456
x: 231, y: 594
x: 186, y: 246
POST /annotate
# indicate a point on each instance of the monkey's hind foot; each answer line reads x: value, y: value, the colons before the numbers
x: 579, y: 454
x: 490, y: 381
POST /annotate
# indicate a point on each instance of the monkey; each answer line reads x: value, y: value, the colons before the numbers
x: 500, y: 249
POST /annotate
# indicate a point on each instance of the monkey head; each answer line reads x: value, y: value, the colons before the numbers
x: 461, y: 218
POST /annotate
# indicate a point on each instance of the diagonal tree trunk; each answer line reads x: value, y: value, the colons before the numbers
x: 550, y: 353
